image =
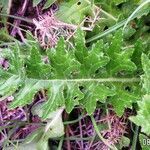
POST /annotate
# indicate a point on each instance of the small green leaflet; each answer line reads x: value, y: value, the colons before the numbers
x: 120, y: 60
x: 73, y: 95
x: 127, y: 94
x: 91, y: 59
x: 63, y: 62
x: 27, y: 92
x: 96, y: 92
x: 34, y: 62
x: 143, y: 115
x: 137, y: 54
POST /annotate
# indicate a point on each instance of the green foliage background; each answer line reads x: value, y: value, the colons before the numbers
x: 107, y: 66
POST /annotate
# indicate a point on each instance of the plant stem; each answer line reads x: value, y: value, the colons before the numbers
x: 100, y: 136
x: 92, y: 140
x: 81, y: 134
x: 73, y: 138
x: 100, y: 80
x: 135, y: 137
x: 60, y: 144
x: 68, y: 140
x: 74, y: 121
x: 107, y: 114
x: 16, y: 17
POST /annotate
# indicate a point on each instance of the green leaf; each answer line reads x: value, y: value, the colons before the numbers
x: 95, y: 59
x: 91, y: 59
x: 74, y: 11
x: 127, y: 9
x: 55, y: 98
x: 124, y: 142
x: 35, y: 62
x: 127, y: 94
x: 81, y: 50
x: 63, y: 62
x: 16, y: 61
x: 28, y: 91
x: 137, y: 10
x: 143, y: 116
x: 120, y: 60
x: 96, y: 92
x: 9, y: 86
x: 138, y: 50
x: 129, y: 32
x: 73, y: 95
x: 146, y: 76
x: 69, y: 76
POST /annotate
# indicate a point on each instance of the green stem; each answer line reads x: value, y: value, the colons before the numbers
x: 73, y: 121
x: 107, y: 113
x: 100, y: 136
x: 60, y: 144
x: 74, y: 138
x: 135, y: 137
x: 16, y: 17
x: 100, y: 80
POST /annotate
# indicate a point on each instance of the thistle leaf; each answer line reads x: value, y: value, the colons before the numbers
x: 69, y: 76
